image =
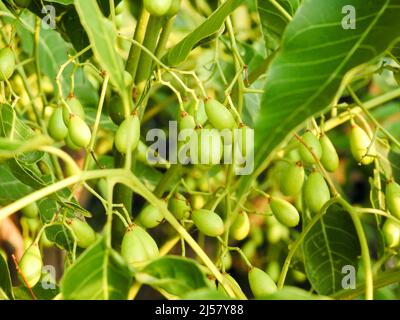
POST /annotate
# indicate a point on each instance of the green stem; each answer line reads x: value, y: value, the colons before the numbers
x: 165, y: 33
x: 173, y: 173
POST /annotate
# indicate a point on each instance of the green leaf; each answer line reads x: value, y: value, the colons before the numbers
x: 330, y: 245
x: 99, y: 273
x: 273, y: 21
x: 11, y: 189
x: 176, y: 275
x: 14, y: 148
x: 5, y: 279
x: 48, y: 207
x: 292, y: 293
x: 210, y: 26
x: 316, y: 55
x: 60, y: 235
x: 22, y: 293
x: 103, y: 37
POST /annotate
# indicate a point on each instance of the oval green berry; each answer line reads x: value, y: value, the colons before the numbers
x: 218, y: 115
x: 138, y: 246
x: 79, y: 132
x: 261, y: 284
x: 329, y: 158
x: 157, y: 8
x: 150, y: 217
x: 391, y: 232
x: 31, y: 210
x: 392, y: 193
x: 174, y: 8
x: 76, y: 109
x: 292, y: 179
x: 85, y: 235
x: 128, y: 134
x: 31, y: 265
x: 284, y: 212
x: 116, y: 109
x: 316, y: 192
x: 240, y: 228
x: 7, y: 63
x: 70, y: 144
x: 208, y: 222
x: 179, y: 206
x: 360, y: 145
x: 209, y: 146
x: 56, y: 127
x: 313, y: 143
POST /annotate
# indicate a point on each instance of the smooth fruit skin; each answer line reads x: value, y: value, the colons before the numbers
x: 31, y: 210
x: 240, y: 228
x: 179, y: 206
x: 84, y: 233
x: 116, y: 110
x: 150, y: 217
x: 392, y: 193
x: 56, y: 127
x: 316, y: 192
x: 76, y: 109
x: 128, y: 133
x: 292, y: 179
x: 79, y: 132
x: 208, y: 222
x: 284, y: 212
x: 157, y: 8
x: 261, y: 283
x: 391, y: 232
x: 219, y: 116
x: 138, y: 246
x: 174, y: 8
x: 200, y: 114
x: 187, y: 122
x: 31, y: 265
x: 7, y: 63
x: 359, y: 144
x: 209, y: 146
x: 312, y: 142
x: 70, y: 144
x: 329, y: 158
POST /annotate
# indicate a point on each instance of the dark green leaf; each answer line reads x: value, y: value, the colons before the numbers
x: 60, y: 235
x: 330, y: 245
x: 5, y: 279
x: 22, y: 293
x: 11, y: 188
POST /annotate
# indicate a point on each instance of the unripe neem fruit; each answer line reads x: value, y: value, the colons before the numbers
x: 79, y: 132
x: 391, y: 232
x: 316, y: 192
x: 186, y: 122
x: 7, y: 63
x: 150, y: 217
x: 85, y: 235
x: 261, y: 283
x: 116, y: 109
x: 218, y: 115
x: 179, y: 206
x: 76, y: 109
x: 360, y: 145
x: 313, y: 143
x: 174, y: 8
x: 292, y: 179
x: 208, y: 222
x: 31, y: 210
x: 241, y: 226
x: 157, y: 8
x: 31, y: 265
x: 199, y: 114
x: 70, y: 144
x: 392, y: 194
x: 138, y: 246
x: 329, y: 158
x: 284, y: 212
x: 56, y: 127
x: 209, y: 145
x: 127, y: 134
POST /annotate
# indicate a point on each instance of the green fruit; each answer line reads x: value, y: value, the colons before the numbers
x: 329, y: 158
x: 209, y: 147
x: 244, y: 137
x: 71, y: 145
x: 313, y: 143
x: 227, y: 260
x: 138, y: 246
x: 31, y: 265
x: 84, y: 234
x: 79, y: 132
x: 241, y: 226
x: 56, y: 127
x: 76, y: 108
x: 128, y: 80
x: 218, y: 115
x: 7, y: 63
x: 284, y: 212
x: 150, y: 217
x: 128, y: 134
x: 31, y: 210
x: 392, y: 193
x: 174, y: 8
x: 116, y: 109
x: 292, y: 179
x: 200, y: 114
x: 157, y: 8
x: 179, y: 206
x: 261, y: 283
x: 316, y: 192
x: 234, y: 285
x: 360, y: 145
x: 208, y: 222
x: 186, y: 122
x: 22, y: 3
x: 391, y: 232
